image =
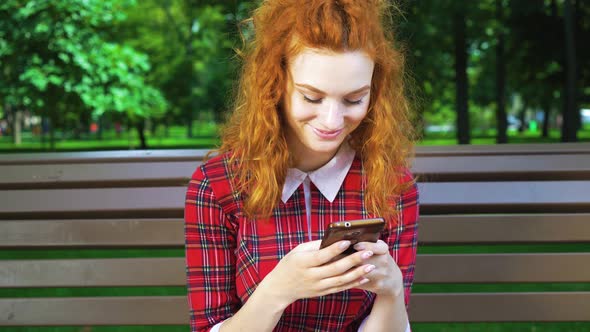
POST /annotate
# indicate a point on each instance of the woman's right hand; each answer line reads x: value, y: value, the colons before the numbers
x: 307, y: 271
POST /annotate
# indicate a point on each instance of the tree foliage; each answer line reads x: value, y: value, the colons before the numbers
x: 55, y: 58
x: 191, y: 45
x: 64, y: 59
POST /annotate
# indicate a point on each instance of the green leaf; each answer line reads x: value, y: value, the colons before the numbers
x: 64, y: 57
x: 56, y: 80
x: 42, y: 28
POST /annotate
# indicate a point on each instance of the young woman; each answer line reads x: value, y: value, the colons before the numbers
x: 320, y: 133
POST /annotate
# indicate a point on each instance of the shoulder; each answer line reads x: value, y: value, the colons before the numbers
x: 209, y: 175
x: 409, y: 184
x: 214, y: 170
x: 409, y: 198
x: 209, y: 199
x: 406, y: 176
x: 214, y: 179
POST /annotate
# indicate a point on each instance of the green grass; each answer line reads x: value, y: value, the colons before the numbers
x: 205, y: 137
x: 514, y: 137
x: 110, y: 144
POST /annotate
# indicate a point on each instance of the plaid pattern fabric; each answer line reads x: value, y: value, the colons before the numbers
x: 227, y: 255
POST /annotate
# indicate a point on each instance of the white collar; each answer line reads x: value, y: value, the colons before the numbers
x: 328, y: 178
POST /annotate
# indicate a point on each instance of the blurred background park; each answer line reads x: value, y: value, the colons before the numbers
x: 126, y: 74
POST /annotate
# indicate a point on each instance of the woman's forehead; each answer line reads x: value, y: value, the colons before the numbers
x: 332, y: 72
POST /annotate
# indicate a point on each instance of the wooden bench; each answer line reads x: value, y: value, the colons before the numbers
x: 124, y: 201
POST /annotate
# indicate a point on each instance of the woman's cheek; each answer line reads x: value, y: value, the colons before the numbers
x: 356, y: 116
x: 301, y: 110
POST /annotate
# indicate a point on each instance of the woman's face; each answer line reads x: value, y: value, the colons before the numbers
x: 327, y: 97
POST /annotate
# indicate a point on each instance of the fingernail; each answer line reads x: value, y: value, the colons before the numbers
x: 364, y: 281
x: 344, y: 245
x: 367, y: 254
x: 369, y: 268
x: 359, y: 247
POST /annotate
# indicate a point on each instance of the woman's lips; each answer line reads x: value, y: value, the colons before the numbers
x: 327, y: 134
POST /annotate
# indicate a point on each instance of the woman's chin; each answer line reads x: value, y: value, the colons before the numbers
x: 325, y: 147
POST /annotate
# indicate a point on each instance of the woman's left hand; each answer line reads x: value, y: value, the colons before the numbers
x: 386, y: 279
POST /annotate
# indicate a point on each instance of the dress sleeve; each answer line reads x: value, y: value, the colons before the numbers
x: 402, y: 237
x: 210, y: 241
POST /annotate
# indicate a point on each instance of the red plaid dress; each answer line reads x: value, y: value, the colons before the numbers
x: 228, y: 255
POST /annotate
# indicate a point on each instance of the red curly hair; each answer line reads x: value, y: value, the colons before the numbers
x: 254, y: 134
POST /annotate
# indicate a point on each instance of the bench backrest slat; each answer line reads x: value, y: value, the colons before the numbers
x: 177, y: 173
x: 440, y: 268
x: 198, y: 154
x: 505, y: 228
x: 166, y: 202
x: 104, y: 175
x: 93, y: 272
x: 93, y: 157
x: 503, y: 168
x: 500, y: 307
x: 504, y: 149
x: 80, y: 233
x: 150, y: 233
x: 171, y: 310
x: 136, y: 310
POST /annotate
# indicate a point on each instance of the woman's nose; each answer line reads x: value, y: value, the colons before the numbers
x: 334, y: 116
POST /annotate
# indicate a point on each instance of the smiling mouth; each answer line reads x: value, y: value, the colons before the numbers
x: 327, y: 134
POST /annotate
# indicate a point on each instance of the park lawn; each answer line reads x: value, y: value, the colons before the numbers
x: 34, y: 145
x: 205, y: 138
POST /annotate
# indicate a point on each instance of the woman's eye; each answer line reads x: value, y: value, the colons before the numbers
x: 354, y: 102
x: 319, y: 100
x: 313, y: 101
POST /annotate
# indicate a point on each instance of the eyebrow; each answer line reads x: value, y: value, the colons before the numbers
x: 318, y: 91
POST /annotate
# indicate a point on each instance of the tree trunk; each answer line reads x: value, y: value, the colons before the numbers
x: 9, y: 118
x: 17, y: 126
x: 154, y: 124
x: 569, y: 126
x: 100, y: 123
x: 51, y: 133
x: 140, y: 126
x: 44, y: 127
x: 193, y: 77
x: 500, y: 79
x: 463, y: 136
x: 577, y: 32
x: 522, y: 117
x: 218, y: 116
x: 189, y: 56
x: 77, y: 129
x: 546, y: 119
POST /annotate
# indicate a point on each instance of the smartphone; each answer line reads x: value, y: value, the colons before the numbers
x: 361, y: 230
